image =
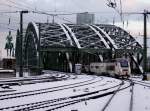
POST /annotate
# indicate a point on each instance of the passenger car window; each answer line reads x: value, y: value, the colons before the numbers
x: 112, y: 67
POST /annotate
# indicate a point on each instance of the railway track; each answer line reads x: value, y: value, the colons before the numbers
x: 131, y: 85
x: 66, y: 101
x: 132, y: 94
x: 47, y: 90
x: 33, y: 80
x: 115, y: 92
x: 141, y: 83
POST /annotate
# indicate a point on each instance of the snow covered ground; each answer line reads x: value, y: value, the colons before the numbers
x: 83, y: 93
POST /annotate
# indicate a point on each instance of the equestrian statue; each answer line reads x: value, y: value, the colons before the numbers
x: 9, y: 45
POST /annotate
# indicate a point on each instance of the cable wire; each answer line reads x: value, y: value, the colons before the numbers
x: 19, y: 4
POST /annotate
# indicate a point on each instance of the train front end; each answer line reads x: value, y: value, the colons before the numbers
x: 124, y: 68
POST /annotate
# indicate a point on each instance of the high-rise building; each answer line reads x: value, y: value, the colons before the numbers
x: 85, y: 18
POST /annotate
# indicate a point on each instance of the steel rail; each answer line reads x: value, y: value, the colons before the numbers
x: 47, y: 90
x: 78, y: 98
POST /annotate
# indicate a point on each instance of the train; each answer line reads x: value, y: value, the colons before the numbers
x: 119, y: 67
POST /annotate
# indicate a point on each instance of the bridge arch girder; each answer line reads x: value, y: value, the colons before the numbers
x: 100, y: 37
x: 31, y: 46
x: 85, y: 36
x: 121, y: 38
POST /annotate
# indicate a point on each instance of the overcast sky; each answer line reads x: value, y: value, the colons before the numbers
x: 103, y: 13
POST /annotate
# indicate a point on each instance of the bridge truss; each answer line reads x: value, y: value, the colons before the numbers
x: 61, y: 46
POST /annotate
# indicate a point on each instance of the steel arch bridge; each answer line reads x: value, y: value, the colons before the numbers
x: 61, y: 46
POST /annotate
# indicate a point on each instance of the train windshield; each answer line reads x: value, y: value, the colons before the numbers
x: 124, y: 63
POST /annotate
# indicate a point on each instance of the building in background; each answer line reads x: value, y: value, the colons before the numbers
x: 85, y: 18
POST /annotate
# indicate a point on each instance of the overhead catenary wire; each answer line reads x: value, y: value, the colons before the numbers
x: 5, y: 12
x: 13, y: 6
x: 69, y: 13
x: 24, y: 2
x: 14, y: 20
x: 38, y: 12
x: 65, y: 19
x: 9, y: 28
x: 73, y: 13
x: 9, y: 24
x: 16, y: 5
x: 51, y: 14
x: 57, y: 14
x: 121, y: 10
x: 19, y: 4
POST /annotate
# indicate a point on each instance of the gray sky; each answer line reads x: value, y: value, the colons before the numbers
x: 103, y: 13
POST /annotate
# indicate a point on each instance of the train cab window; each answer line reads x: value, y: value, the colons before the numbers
x: 124, y: 63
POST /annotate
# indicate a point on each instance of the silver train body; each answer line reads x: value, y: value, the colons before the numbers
x: 119, y: 67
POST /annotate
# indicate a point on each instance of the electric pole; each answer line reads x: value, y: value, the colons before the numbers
x: 21, y: 42
x: 146, y: 13
x: 145, y: 41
